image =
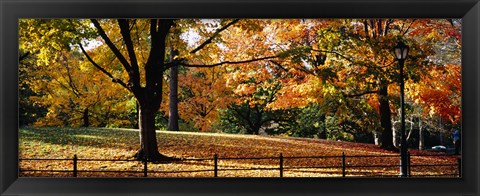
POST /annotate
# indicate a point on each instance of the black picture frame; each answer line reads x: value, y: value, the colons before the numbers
x: 12, y: 10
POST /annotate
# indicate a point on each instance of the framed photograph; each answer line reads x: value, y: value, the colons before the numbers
x: 273, y: 97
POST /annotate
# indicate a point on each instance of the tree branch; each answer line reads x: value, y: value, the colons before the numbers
x: 112, y: 46
x: 24, y: 56
x: 278, y: 65
x: 153, y: 30
x: 408, y: 28
x: 365, y: 26
x: 103, y: 70
x: 70, y: 80
x: 156, y: 60
x: 387, y: 26
x: 360, y: 94
x: 334, y: 52
x: 209, y: 40
x: 65, y: 87
x: 222, y: 63
x: 125, y: 31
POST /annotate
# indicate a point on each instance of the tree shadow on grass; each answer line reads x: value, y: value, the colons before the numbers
x: 90, y: 137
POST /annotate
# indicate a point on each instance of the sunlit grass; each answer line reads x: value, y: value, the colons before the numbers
x: 121, y: 144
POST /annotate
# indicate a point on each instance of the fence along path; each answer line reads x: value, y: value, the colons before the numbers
x: 275, y: 166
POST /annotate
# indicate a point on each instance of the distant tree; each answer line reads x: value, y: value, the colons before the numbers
x: 29, y: 112
x: 202, y: 94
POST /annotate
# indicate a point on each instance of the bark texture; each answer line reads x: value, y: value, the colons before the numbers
x: 385, y: 118
x: 173, y: 106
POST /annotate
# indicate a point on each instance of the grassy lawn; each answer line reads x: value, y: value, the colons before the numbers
x: 121, y: 144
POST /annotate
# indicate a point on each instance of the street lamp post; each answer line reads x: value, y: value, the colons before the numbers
x: 401, y: 52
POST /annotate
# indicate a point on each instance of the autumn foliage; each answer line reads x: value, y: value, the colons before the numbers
x: 333, y: 79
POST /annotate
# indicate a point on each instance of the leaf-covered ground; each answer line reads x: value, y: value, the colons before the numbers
x: 198, y: 150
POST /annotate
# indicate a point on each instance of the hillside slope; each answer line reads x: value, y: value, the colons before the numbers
x: 101, y: 143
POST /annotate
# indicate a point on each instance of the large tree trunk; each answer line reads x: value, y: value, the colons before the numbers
x: 150, y: 97
x: 385, y: 118
x: 255, y: 130
x: 322, y: 133
x: 173, y: 107
x: 86, y: 121
x: 251, y: 128
x: 148, y: 141
x: 254, y: 125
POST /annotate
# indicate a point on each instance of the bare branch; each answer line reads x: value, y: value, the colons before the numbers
x: 64, y: 86
x: 125, y: 30
x: 365, y: 25
x: 408, y: 28
x: 336, y: 53
x: 360, y: 94
x: 225, y: 62
x: 103, y: 70
x: 72, y: 85
x: 303, y: 69
x: 209, y: 40
x: 24, y: 56
x: 387, y: 26
x: 112, y: 46
x: 278, y: 65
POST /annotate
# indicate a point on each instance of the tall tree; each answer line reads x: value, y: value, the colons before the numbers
x: 148, y: 92
x: 58, y: 76
x: 146, y: 85
x: 202, y: 94
x: 203, y: 84
x: 76, y: 94
x: 173, y: 96
x: 360, y: 54
x: 29, y: 112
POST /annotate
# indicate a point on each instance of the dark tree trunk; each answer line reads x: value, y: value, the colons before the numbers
x: 253, y: 127
x: 257, y: 124
x: 256, y: 130
x: 148, y: 141
x: 385, y: 118
x: 86, y: 122
x: 150, y: 96
x: 322, y: 133
x: 136, y: 124
x: 173, y: 106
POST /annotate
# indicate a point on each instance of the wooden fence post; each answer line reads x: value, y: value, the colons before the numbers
x: 459, y: 162
x: 281, y: 165
x: 343, y: 164
x: 75, y: 165
x: 215, y: 165
x: 145, y: 169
